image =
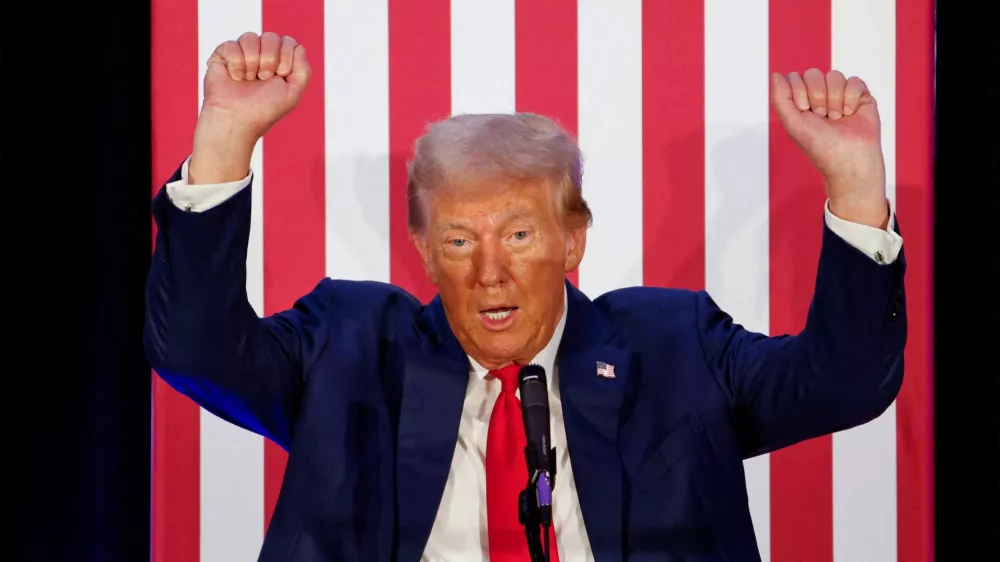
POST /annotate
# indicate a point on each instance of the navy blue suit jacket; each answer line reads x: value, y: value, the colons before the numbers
x: 364, y: 387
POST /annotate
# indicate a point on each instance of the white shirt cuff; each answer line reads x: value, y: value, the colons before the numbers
x: 202, y: 197
x: 883, y: 246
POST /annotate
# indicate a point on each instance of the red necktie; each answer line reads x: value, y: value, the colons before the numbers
x: 507, y: 474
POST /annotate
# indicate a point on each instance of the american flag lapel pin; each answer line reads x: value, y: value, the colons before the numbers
x: 606, y: 370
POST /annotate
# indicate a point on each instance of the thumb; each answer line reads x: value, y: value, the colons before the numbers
x: 781, y: 99
x: 298, y: 79
x: 218, y: 70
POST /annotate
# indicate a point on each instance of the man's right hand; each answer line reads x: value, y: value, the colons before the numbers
x: 250, y: 84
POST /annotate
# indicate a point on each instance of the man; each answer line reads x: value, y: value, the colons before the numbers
x: 402, y: 421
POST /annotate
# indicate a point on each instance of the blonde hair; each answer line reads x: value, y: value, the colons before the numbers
x: 496, y: 149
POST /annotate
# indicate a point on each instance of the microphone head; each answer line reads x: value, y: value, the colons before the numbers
x: 531, y: 373
x: 535, y: 414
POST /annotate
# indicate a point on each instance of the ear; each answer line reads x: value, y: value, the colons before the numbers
x: 426, y: 257
x: 576, y: 244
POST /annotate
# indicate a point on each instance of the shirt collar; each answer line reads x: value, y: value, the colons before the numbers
x: 546, y: 358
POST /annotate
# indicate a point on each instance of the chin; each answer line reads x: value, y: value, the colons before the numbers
x: 502, y: 348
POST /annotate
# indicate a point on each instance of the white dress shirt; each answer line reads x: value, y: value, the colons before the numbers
x: 460, y: 528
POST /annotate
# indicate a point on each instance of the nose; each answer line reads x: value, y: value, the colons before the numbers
x: 492, y: 262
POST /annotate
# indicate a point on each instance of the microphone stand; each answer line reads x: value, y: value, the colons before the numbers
x: 536, y: 522
x: 528, y: 515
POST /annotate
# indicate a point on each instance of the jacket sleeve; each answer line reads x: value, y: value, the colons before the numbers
x: 201, y: 334
x: 842, y: 370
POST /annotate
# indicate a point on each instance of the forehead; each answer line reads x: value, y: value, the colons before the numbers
x: 492, y: 201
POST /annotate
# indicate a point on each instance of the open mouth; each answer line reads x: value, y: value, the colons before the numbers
x: 499, y: 313
x: 498, y: 317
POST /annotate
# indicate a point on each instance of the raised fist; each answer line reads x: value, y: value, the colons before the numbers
x: 835, y: 121
x: 257, y: 79
x: 250, y: 84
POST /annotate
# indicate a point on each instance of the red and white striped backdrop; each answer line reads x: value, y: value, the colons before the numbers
x: 692, y: 182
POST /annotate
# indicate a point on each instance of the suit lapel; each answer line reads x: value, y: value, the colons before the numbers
x: 436, y: 376
x: 591, y: 409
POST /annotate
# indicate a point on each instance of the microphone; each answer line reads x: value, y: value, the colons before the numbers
x: 539, y: 453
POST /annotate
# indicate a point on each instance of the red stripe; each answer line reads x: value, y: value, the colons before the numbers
x: 294, y: 193
x: 914, y: 203
x: 801, y: 475
x: 419, y: 93
x: 546, y: 63
x: 176, y: 419
x: 673, y: 144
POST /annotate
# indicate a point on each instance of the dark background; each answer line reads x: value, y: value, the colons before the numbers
x: 76, y: 176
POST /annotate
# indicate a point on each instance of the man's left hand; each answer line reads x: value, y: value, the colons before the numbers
x: 835, y: 121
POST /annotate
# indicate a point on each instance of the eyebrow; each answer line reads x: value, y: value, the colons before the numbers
x: 503, y: 217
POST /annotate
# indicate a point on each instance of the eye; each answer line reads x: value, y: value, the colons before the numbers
x: 520, y: 237
x: 457, y: 242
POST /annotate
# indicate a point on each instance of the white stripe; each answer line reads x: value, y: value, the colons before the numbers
x: 482, y: 56
x: 864, y: 458
x: 232, y: 459
x: 357, y: 139
x: 736, y: 190
x: 610, y: 130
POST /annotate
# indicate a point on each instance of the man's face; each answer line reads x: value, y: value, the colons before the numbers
x: 499, y: 257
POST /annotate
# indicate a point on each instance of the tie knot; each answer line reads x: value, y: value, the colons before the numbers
x: 507, y: 377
